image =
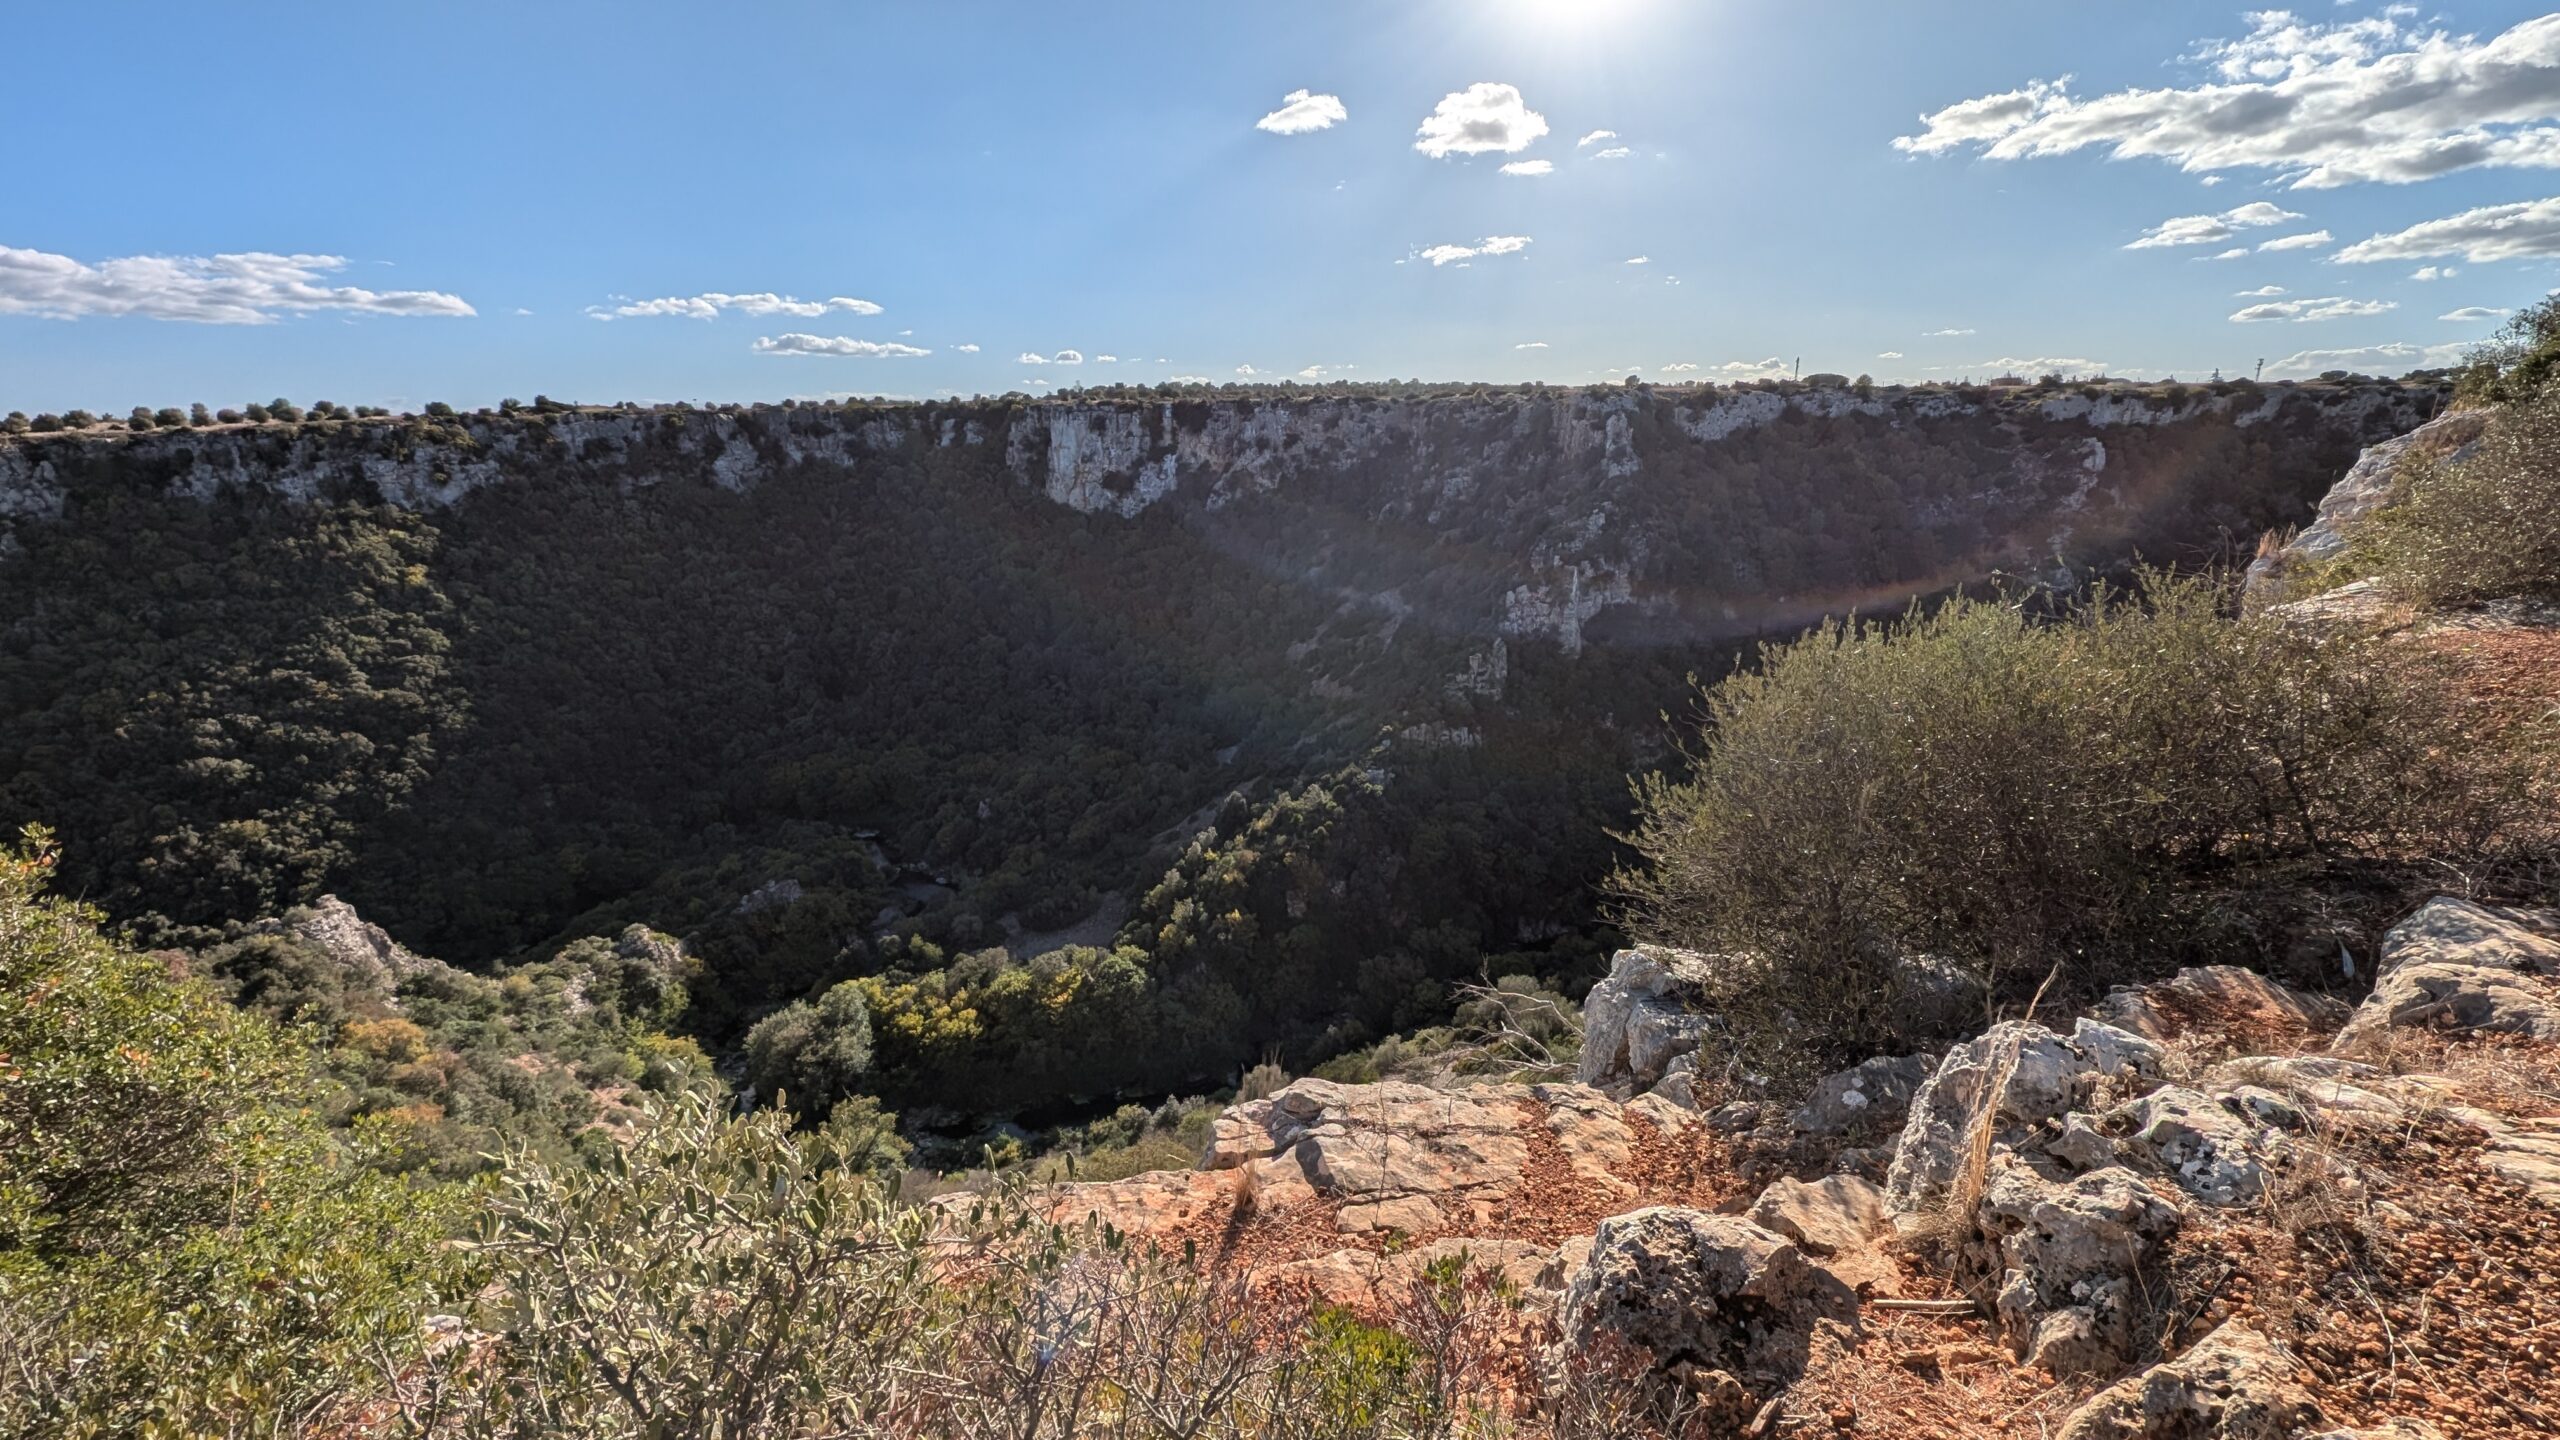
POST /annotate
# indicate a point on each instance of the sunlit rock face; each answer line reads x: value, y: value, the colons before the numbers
x: 1557, y: 516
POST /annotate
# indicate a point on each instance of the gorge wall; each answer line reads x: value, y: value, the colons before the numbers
x: 1110, y: 742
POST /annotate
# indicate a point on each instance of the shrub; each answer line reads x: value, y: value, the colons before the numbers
x: 183, y: 1249
x: 813, y: 1055
x: 258, y: 414
x: 197, y: 414
x: 170, y: 418
x: 2135, y: 785
x: 16, y: 423
x: 727, y: 1277
x: 2485, y: 527
x: 78, y: 419
x: 140, y: 419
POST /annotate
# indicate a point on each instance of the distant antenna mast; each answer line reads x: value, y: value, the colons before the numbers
x: 1799, y: 367
x: 2261, y: 372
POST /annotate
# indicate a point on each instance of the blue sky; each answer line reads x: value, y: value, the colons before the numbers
x: 435, y: 202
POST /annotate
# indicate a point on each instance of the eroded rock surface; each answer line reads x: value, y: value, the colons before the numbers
x: 2465, y: 966
x: 2235, y: 1384
x: 1719, y: 1305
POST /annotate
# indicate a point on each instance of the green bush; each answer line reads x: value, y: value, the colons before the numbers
x: 813, y: 1055
x: 184, y: 1249
x: 2139, y: 784
x: 724, y: 1276
x: 2484, y: 527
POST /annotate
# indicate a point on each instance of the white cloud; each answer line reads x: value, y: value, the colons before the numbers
x: 2469, y: 313
x: 1106, y: 359
x: 2392, y: 358
x: 252, y: 288
x: 710, y: 303
x: 1640, y: 260
x: 2434, y: 272
x: 2326, y: 307
x: 1531, y: 345
x: 1682, y: 368
x: 2261, y: 293
x: 1027, y: 358
x: 1530, y: 167
x: 2211, y: 229
x: 1067, y: 357
x: 2236, y: 253
x: 1594, y: 138
x: 1484, y: 117
x: 1312, y: 372
x: 1440, y: 255
x: 1941, y: 334
x: 2312, y: 240
x: 2041, y: 365
x: 2319, y: 105
x: 1301, y: 111
x: 1614, y: 152
x: 1247, y: 370
x: 1888, y: 354
x: 838, y: 345
x: 966, y: 349
x: 1769, y: 369
x: 2523, y: 230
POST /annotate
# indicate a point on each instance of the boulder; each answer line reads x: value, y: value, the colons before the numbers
x: 1644, y: 1015
x: 2363, y: 489
x: 1873, y: 1094
x: 2070, y: 1254
x: 2047, y: 1076
x: 2206, y: 1144
x: 2463, y: 965
x: 1716, y: 1304
x: 2235, y: 1384
x: 1838, y: 1221
x: 371, y: 959
x: 2222, y: 997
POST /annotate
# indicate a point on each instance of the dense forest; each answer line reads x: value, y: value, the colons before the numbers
x: 992, y: 759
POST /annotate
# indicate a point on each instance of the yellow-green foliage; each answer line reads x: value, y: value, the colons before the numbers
x: 184, y: 1248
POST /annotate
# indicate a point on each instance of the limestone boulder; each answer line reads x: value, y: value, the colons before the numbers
x: 2208, y: 1145
x: 2222, y: 997
x: 1648, y: 1012
x: 2235, y: 1384
x: 1873, y: 1095
x: 2465, y: 966
x: 1839, y: 1222
x: 1717, y: 1305
x: 2038, y: 1076
x: 2070, y: 1254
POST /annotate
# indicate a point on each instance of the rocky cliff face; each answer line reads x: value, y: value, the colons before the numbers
x: 1524, y: 514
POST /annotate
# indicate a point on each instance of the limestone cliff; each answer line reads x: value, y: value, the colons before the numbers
x: 1565, y: 515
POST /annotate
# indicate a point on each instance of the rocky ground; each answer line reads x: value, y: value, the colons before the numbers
x: 2211, y: 1207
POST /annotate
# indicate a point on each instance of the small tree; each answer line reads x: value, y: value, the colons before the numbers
x: 140, y: 419
x: 171, y: 418
x: 198, y: 415
x: 284, y: 410
x: 229, y: 417
x: 438, y: 410
x: 17, y: 423
x: 78, y: 419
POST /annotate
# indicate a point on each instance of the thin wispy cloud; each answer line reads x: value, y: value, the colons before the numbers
x: 1484, y: 118
x: 1530, y: 167
x: 1302, y: 111
x: 2326, y: 307
x: 1440, y: 255
x: 2211, y: 229
x: 1531, y: 345
x: 1614, y: 152
x: 2471, y: 313
x: 2312, y: 240
x: 1944, y: 334
x: 250, y: 288
x: 1594, y: 138
x: 710, y: 304
x: 2374, y: 100
x: 837, y: 346
x: 2389, y: 359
